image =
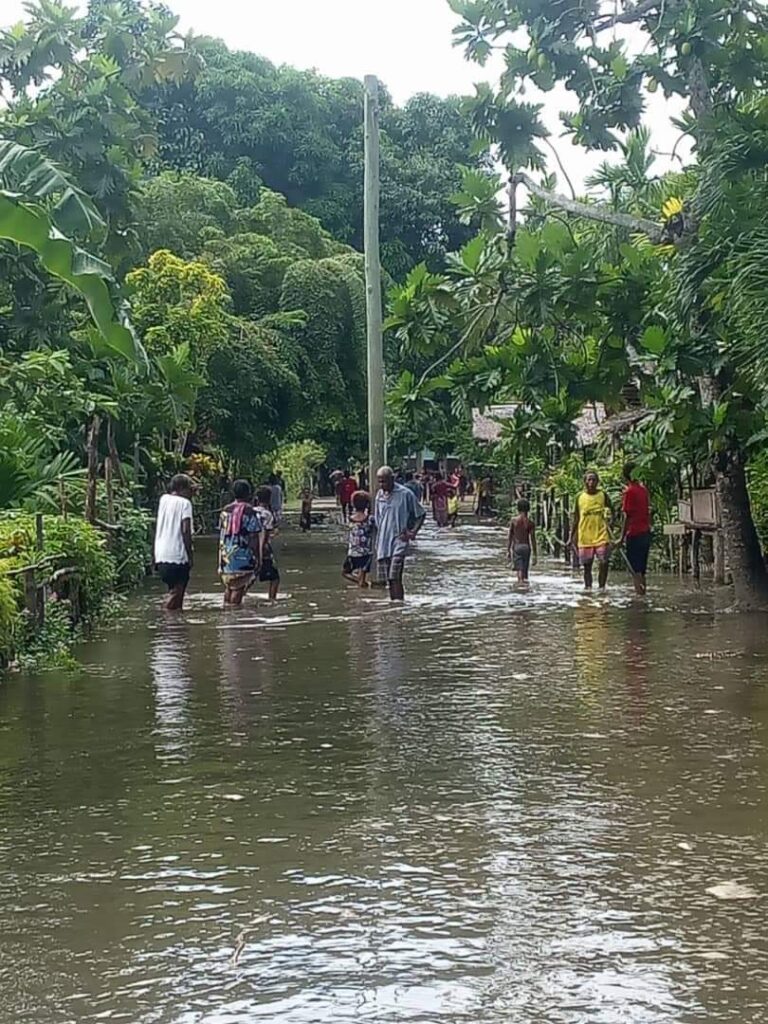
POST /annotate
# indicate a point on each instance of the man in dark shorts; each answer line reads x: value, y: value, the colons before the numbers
x: 173, y: 540
x: 636, y: 533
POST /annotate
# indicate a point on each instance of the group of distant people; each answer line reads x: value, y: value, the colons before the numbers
x: 381, y: 531
x: 381, y: 534
x: 443, y: 494
x: 592, y: 538
x: 247, y: 527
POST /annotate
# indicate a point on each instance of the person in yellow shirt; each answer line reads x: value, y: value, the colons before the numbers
x: 590, y: 534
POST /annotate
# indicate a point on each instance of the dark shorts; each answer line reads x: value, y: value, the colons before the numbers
x: 268, y: 572
x: 521, y: 557
x: 638, y: 550
x: 358, y: 563
x: 173, y: 574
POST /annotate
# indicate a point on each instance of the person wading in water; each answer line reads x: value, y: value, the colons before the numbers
x: 636, y: 532
x: 590, y: 532
x: 173, y: 540
x: 241, y: 543
x: 398, y: 518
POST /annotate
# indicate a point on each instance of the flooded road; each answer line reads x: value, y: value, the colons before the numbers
x: 485, y: 807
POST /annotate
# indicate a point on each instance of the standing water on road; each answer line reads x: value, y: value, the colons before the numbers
x: 486, y: 806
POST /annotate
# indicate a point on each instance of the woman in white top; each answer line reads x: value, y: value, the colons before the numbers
x: 173, y: 540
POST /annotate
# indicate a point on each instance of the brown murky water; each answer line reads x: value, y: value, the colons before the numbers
x: 485, y: 807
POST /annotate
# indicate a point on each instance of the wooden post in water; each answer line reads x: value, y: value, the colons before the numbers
x: 376, y: 442
x: 696, y: 555
x: 570, y: 557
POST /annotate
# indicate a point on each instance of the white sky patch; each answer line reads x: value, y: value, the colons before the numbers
x: 406, y: 43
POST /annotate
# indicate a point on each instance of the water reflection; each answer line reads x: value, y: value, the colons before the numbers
x: 485, y: 806
x: 172, y: 684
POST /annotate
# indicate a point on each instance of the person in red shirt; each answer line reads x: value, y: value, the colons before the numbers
x: 347, y: 487
x: 636, y: 533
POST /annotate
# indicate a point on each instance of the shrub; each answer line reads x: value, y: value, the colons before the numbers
x: 297, y: 461
x: 10, y: 618
x: 75, y: 542
x: 132, y: 546
x: 758, y: 494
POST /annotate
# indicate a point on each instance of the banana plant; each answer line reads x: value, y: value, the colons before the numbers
x: 37, y: 200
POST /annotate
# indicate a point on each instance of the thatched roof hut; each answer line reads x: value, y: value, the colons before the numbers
x: 487, y: 425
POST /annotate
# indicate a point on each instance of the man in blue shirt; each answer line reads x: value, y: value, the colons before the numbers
x: 399, y: 517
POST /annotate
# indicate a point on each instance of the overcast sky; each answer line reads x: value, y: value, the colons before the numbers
x: 407, y: 43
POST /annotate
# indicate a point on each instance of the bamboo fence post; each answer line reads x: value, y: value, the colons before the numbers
x: 110, y: 495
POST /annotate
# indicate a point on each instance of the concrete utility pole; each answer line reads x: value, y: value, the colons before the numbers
x: 376, y: 440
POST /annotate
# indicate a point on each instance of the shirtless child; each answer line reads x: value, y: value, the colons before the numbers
x: 521, y: 542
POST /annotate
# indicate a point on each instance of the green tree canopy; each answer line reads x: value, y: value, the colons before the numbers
x: 247, y: 122
x: 645, y: 278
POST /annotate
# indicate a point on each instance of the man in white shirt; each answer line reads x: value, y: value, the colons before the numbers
x: 173, y: 540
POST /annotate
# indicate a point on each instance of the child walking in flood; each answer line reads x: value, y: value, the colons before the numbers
x: 521, y: 542
x: 269, y: 572
x: 305, y: 519
x: 357, y: 565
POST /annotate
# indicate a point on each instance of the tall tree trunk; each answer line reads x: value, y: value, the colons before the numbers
x: 136, y: 469
x: 92, y: 448
x: 742, y: 547
x: 110, y: 472
x: 114, y: 454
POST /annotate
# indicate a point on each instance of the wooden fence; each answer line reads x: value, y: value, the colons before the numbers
x: 43, y: 579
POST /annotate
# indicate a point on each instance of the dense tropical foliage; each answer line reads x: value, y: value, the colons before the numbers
x: 181, y: 286
x: 250, y: 124
x: 650, y: 280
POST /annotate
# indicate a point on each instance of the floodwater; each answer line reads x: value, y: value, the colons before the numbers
x: 486, y: 807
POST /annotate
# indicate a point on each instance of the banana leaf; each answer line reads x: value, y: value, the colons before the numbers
x: 27, y: 172
x: 31, y: 226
